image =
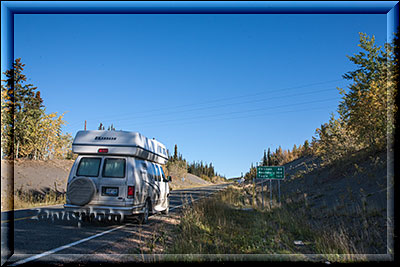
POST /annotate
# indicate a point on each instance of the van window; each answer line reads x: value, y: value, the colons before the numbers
x: 162, y: 173
x: 89, y: 167
x: 114, y: 168
x: 153, y: 173
x: 157, y: 173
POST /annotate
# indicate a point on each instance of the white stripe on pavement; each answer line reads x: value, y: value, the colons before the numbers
x: 93, y: 236
x: 64, y: 247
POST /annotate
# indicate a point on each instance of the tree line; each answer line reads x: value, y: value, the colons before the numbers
x: 198, y: 168
x: 366, y: 119
x: 27, y: 131
x: 109, y: 128
x: 280, y: 157
x: 202, y: 169
x: 366, y: 112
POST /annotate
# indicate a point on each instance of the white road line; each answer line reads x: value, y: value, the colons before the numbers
x: 90, y: 237
x: 64, y: 247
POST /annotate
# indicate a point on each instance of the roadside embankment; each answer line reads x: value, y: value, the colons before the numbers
x: 34, y: 183
x: 334, y: 212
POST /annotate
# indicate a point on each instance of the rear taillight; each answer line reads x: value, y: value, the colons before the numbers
x: 102, y: 150
x: 131, y: 191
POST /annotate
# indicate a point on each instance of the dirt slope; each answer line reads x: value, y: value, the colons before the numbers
x: 351, y: 196
x: 188, y: 180
x: 353, y: 183
x: 42, y: 176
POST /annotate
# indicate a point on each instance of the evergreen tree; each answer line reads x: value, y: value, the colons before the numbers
x: 176, y: 152
x: 265, y: 159
x: 111, y: 128
x: 22, y: 109
x: 211, y: 172
x: 27, y: 131
x: 295, y: 151
x: 269, y: 158
x: 279, y: 153
x: 306, y: 148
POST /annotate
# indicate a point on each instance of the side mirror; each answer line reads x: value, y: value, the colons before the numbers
x: 166, y: 180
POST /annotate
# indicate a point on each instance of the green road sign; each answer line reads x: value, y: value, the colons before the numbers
x: 271, y: 172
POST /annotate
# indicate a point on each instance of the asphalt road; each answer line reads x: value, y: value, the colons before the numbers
x: 43, y: 233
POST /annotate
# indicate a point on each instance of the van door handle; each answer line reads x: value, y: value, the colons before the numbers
x: 119, y: 198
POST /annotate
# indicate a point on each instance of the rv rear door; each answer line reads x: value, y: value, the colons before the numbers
x: 113, y: 182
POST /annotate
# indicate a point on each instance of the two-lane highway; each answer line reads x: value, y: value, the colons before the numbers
x: 42, y: 232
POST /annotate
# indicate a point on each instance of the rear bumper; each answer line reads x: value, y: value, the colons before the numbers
x: 107, y: 210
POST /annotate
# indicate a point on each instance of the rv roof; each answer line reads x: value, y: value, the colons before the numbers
x: 118, y: 140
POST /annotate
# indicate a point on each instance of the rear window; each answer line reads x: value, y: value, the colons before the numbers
x: 89, y: 167
x: 114, y: 168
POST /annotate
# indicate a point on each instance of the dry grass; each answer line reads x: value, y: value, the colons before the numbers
x: 234, y: 222
x: 30, y: 199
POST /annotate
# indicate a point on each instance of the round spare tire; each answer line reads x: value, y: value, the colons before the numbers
x: 80, y: 191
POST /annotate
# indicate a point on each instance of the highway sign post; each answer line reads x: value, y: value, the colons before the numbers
x: 270, y: 173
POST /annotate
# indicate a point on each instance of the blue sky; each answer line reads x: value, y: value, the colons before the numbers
x: 221, y: 87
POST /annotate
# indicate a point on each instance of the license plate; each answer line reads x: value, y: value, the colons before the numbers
x: 110, y: 191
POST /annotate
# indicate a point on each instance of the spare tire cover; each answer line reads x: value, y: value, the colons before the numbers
x: 80, y: 191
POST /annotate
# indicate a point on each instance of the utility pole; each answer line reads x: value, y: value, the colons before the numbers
x: 85, y: 125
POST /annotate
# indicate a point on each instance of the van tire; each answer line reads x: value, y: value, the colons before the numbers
x: 144, y: 218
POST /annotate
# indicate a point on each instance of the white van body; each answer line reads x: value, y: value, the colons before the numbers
x: 117, y: 173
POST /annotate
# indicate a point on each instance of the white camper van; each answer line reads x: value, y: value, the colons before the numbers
x: 117, y: 173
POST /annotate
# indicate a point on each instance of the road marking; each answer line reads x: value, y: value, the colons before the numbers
x: 19, y: 219
x: 30, y: 217
x: 65, y: 246
x: 90, y: 237
x: 29, y: 209
x: 34, y: 208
